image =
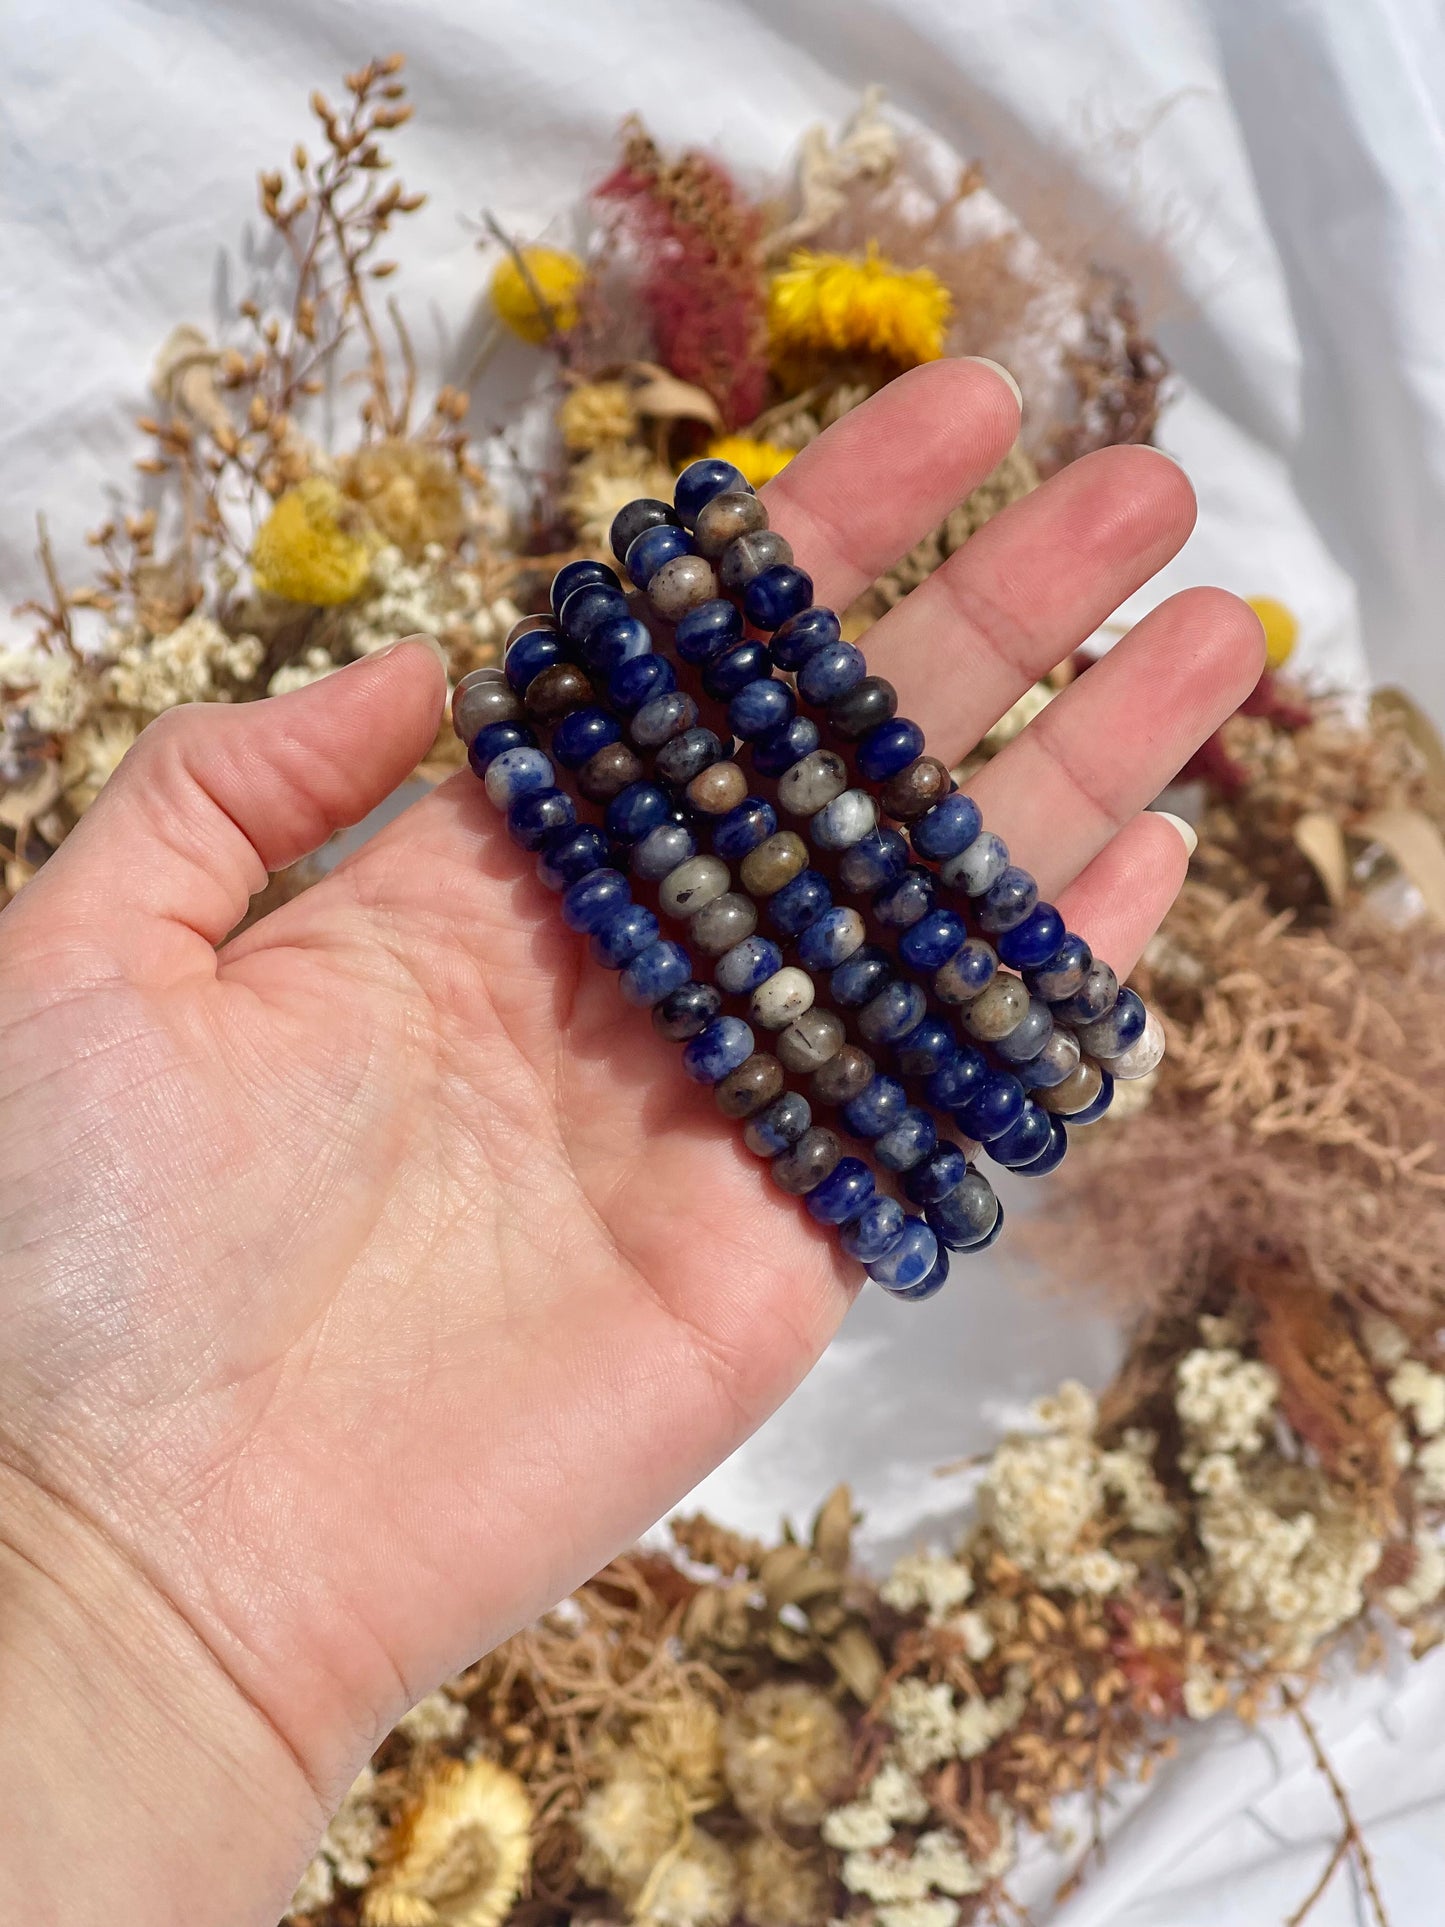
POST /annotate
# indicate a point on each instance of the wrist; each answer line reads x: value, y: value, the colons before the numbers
x: 149, y: 1789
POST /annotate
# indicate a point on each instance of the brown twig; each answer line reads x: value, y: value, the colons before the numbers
x: 1353, y: 1839
x: 1316, y: 1893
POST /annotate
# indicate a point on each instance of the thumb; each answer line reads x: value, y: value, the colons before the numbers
x: 213, y: 796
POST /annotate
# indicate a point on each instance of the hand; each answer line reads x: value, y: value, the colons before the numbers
x: 374, y: 1276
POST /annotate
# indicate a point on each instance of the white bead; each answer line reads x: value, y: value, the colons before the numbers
x: 784, y: 996
x: 813, y: 781
x: 845, y: 821
x: 1145, y: 1054
x: 692, y: 885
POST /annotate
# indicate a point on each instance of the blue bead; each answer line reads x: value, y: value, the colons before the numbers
x: 572, y: 575
x: 494, y: 740
x: 801, y: 634
x: 779, y: 1126
x: 830, y: 672
x: 739, y: 971
x: 661, y: 850
x: 759, y: 707
x: 889, y: 747
x: 845, y: 1191
x: 948, y: 828
x: 582, y: 733
x: 661, y: 718
x: 517, y: 772
x: 588, y: 608
x: 655, y: 973
x: 531, y: 819
x: 957, y: 1079
x: 570, y: 854
x: 701, y: 480
x: 909, y: 1261
x: 874, y: 1232
x: 932, y: 1282
x: 1094, y: 998
x: 931, y: 941
x: 995, y: 1105
x: 1023, y: 1141
x: 879, y: 1105
x: 592, y: 899
x: 878, y: 858
x: 687, y: 1010
x: 907, y: 1141
x: 776, y: 594
x: 1053, y: 1153
x: 1008, y: 901
x: 965, y: 1216
x: 829, y: 939
x: 1033, y: 941
x: 625, y: 935
x: 1062, y: 974
x: 638, y: 679
x: 1112, y: 1034
x: 904, y: 902
x: 890, y: 1015
x: 798, y: 903
x: 937, y: 1175
x: 614, y: 642
x: 726, y: 674
x: 726, y: 1043
x: 629, y: 522
x: 781, y: 748
x: 1029, y: 1036
x: 744, y: 828
x: 968, y: 972
x: 529, y: 655
x: 923, y: 1049
x: 704, y: 632
x: 646, y: 555
x: 636, y: 810
x: 858, y: 980
x: 1091, y: 1113
x: 993, y: 1236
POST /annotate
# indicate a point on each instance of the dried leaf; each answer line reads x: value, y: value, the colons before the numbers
x: 1417, y: 846
x: 1320, y: 839
x: 833, y: 1528
x: 664, y: 397
x: 857, y: 1662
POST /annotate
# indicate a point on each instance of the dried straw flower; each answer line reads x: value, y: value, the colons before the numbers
x: 758, y: 461
x: 628, y: 1823
x: 315, y: 546
x: 411, y: 493
x: 196, y: 663
x: 684, y: 1737
x: 535, y: 292
x: 601, y: 484
x: 458, y: 1855
x: 783, y: 1885
x: 832, y: 306
x: 695, y: 1887
x: 1281, y: 628
x: 92, y: 754
x: 596, y: 414
x: 786, y: 1754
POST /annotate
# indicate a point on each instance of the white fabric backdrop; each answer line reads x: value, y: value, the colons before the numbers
x: 1272, y: 172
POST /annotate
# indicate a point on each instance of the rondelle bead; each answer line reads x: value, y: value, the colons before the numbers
x: 842, y: 1194
x: 570, y: 854
x: 801, y: 634
x: 996, y: 1104
x: 724, y: 518
x: 782, y: 998
x: 532, y: 818
x: 779, y: 1126
x: 967, y: 974
x: 859, y: 978
x: 966, y: 1214
x: 846, y: 1073
x: 873, y: 860
x: 906, y: 900
x: 908, y: 1262
x: 693, y: 885
x: 779, y: 749
x: 1062, y: 974
x: 734, y: 669
x: 957, y: 1080
x: 590, y: 901
x: 1075, y: 1092
x: 915, y: 789
x: 1094, y: 998
x: 936, y: 1175
x: 744, y: 828
x: 813, y: 783
x: 581, y: 734
x: 662, y: 851
x: 739, y: 971
x: 625, y: 935
x: 1097, y: 1105
x: 636, y: 810
x: 662, y: 718
x: 775, y: 861
x: 798, y: 903
x: 688, y: 755
x: 892, y: 1013
x: 1033, y: 941
x: 576, y: 575
x: 1052, y: 1155
x: 830, y: 672
x: 997, y: 1010
x: 1145, y: 1054
x: 830, y: 938
x: 518, y: 772
x: 720, y: 1048
x: 845, y: 821
x: 1109, y: 1036
x: 759, y: 707
x: 703, y: 481
x: 929, y: 943
x: 876, y: 1108
x: 685, y: 582
x: 1023, y: 1141
x: 485, y: 696
x: 1054, y: 1063
x: 719, y: 788
x: 614, y: 642
x: 1028, y: 1037
x: 907, y: 1141
x: 629, y: 522
x: 609, y: 772
x: 889, y: 748
x: 948, y: 828
x: 722, y: 923
x: 555, y: 691
x: 862, y: 708
x: 529, y: 655
x: 874, y: 1232
x: 751, y: 1087
x: 708, y: 630
x: 588, y: 607
x: 654, y: 548
x: 930, y: 1284
x: 811, y: 1041
x: 638, y: 680
x: 920, y: 1051
x: 1008, y: 901
x: 686, y: 1011
x: 807, y: 1163
x: 495, y: 740
x: 655, y: 973
x: 748, y: 556
x: 777, y: 593
x: 978, y: 868
x: 524, y: 626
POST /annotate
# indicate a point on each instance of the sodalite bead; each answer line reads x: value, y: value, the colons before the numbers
x: 719, y: 788
x: 779, y: 592
x: 495, y: 740
x: 948, y: 828
x: 625, y: 935
x: 744, y: 828
x: 997, y: 1103
x: 655, y: 546
x: 686, y: 1011
x: 1033, y: 941
x: 701, y: 481
x: 889, y: 748
x: 811, y: 1041
x: 781, y: 1125
x: 1057, y: 1060
x: 907, y: 1141
x: 759, y: 707
x: 1145, y: 1054
x: 483, y: 697
x: 936, y: 1175
x: 1111, y: 1035
x: 740, y: 970
x: 807, y: 1163
x: 661, y: 718
x: 636, y: 810
x: 529, y: 655
x: 532, y: 818
x: 570, y: 854
x: 842, y: 1194
x: 862, y: 708
x: 1008, y: 901
x: 683, y: 582
x: 929, y: 943
x: 722, y: 923
x: 556, y: 692
x: 978, y: 868
x: 831, y: 672
x: 629, y: 522
x: 874, y: 1232
x: 1052, y: 1155
x: 775, y: 862
x: 843, y: 1077
x: 708, y: 630
x: 751, y: 1087
x: 859, y: 979
x: 734, y: 669
x: 1029, y: 1035
x: 724, y: 518
x: 830, y: 938
x: 699, y: 881
x: 930, y: 1284
x: 997, y: 1010
x: 965, y: 1215
x: 518, y: 772
x: 688, y: 755
x: 903, y: 902
x: 908, y: 1262
x: 576, y: 575
x: 1075, y: 1092
x: 907, y: 795
x: 782, y: 998
x: 845, y: 821
x: 781, y: 748
x: 655, y: 973
x: 800, y: 902
x: 582, y: 734
x: 812, y: 783
x: 873, y: 861
x: 590, y: 901
x: 1098, y: 1104
x: 720, y: 1048
x: 588, y: 607
x: 1095, y: 997
x: 1023, y: 1141
x: 1062, y: 974
x: 662, y: 851
x: 892, y: 1013
x: 921, y: 1050
x: 801, y: 634
x: 877, y: 1107
x: 609, y: 772
x: 958, y: 1080
x: 748, y: 556
x: 636, y: 681
x: 967, y: 974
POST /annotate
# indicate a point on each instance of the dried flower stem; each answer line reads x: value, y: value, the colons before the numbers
x: 1353, y: 1840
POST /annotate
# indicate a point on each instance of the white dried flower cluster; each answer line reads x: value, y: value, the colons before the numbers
x: 92, y: 754
x: 410, y: 598
x: 1426, y: 1582
x: 437, y: 1717
x: 347, y: 1851
x: 195, y: 663
x: 1204, y: 1694
x: 975, y: 1632
x: 1127, y: 1475
x: 892, y: 1798
x: 930, y: 1725
x: 1072, y: 1408
x: 310, y: 667
x: 917, y: 1886
x: 929, y: 1580
x: 1385, y: 1344
x: 56, y: 694
x: 1224, y: 1401
x: 1430, y: 1469
x: 1415, y: 1389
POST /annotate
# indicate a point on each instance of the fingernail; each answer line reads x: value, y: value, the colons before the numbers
x: 1002, y: 372
x: 390, y: 648
x: 1186, y: 830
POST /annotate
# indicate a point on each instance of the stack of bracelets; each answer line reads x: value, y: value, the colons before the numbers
x: 912, y: 978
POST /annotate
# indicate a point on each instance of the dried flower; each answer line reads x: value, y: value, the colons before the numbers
x: 535, y: 291
x: 927, y: 1580
x: 596, y: 414
x: 315, y: 546
x: 348, y: 1847
x: 607, y: 481
x: 196, y: 663
x: 459, y: 1853
x: 437, y: 1717
x: 758, y: 461
x: 782, y: 1885
x: 833, y: 305
x: 684, y: 1737
x: 1415, y: 1389
x: 1224, y: 1400
x: 695, y: 1887
x: 786, y: 1753
x: 92, y: 755
x: 1281, y: 629
x: 411, y: 493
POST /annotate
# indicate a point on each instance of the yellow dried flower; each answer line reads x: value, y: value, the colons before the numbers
x: 458, y: 1855
x: 758, y: 461
x: 603, y: 483
x: 1281, y: 629
x: 628, y: 1823
x: 835, y: 304
x: 684, y: 1738
x: 786, y: 1754
x: 535, y: 291
x: 783, y: 1885
x: 411, y: 492
x: 596, y: 413
x: 315, y: 545
x: 696, y: 1887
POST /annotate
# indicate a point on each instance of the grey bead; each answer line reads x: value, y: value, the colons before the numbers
x: 811, y: 1040
x: 1145, y: 1054
x: 979, y: 867
x: 1001, y: 1009
x: 1058, y: 1058
x: 680, y: 585
x: 1029, y: 1035
x: 787, y: 995
x: 693, y: 885
x: 808, y: 1163
x: 725, y: 518
x: 748, y: 555
x: 483, y: 697
x: 845, y: 821
x: 722, y: 923
x: 662, y: 718
x: 812, y: 783
x: 661, y: 851
x: 738, y: 967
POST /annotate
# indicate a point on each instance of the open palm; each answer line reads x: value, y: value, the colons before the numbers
x: 372, y: 1278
